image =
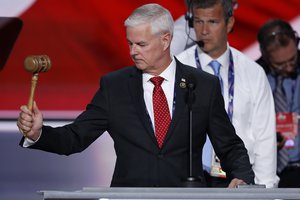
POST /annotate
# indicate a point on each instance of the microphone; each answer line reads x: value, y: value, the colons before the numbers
x: 10, y: 28
x: 191, y: 85
x: 200, y: 43
x: 191, y: 181
x: 36, y: 64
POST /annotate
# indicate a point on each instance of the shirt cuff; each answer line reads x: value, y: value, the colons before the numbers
x: 29, y: 142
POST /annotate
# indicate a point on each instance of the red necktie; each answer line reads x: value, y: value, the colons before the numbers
x: 162, y: 116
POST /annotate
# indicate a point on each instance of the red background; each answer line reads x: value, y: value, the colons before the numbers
x: 86, y: 39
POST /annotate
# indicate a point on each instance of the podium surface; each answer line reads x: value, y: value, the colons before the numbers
x: 174, y: 193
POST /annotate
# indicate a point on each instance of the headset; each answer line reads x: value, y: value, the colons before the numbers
x: 189, y: 24
x: 189, y: 14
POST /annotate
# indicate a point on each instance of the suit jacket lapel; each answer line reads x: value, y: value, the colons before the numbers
x: 135, y: 86
x: 180, y: 96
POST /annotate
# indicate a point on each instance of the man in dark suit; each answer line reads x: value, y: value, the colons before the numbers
x: 124, y: 108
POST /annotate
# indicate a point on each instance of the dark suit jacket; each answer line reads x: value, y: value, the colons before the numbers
x: 119, y: 108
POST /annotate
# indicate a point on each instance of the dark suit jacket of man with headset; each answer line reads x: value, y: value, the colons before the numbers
x: 118, y: 107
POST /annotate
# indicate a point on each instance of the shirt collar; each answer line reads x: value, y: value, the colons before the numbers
x: 168, y: 74
x: 205, y: 59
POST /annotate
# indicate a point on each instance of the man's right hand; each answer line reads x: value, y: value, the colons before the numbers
x: 30, y: 122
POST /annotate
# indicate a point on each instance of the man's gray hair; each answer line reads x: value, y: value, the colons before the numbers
x: 159, y: 18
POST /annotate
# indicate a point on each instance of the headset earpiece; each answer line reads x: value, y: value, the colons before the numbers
x: 188, y: 14
x: 189, y: 19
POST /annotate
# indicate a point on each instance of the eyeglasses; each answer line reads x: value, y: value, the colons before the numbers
x: 282, y: 65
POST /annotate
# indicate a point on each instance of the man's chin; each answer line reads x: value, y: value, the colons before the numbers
x: 139, y: 66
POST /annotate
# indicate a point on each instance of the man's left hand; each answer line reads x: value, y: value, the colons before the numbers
x: 235, y: 182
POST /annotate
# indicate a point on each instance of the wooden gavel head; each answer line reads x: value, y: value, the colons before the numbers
x: 37, y: 63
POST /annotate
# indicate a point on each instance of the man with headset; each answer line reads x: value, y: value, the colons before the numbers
x: 184, y: 34
x: 281, y: 61
x: 246, y: 91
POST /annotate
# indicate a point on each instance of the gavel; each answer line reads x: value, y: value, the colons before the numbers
x: 36, y: 64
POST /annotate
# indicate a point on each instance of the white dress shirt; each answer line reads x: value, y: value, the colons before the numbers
x: 167, y: 86
x: 253, y: 109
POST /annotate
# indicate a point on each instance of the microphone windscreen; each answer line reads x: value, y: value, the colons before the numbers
x: 200, y: 43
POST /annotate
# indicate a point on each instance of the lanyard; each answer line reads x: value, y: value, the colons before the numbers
x: 230, y: 81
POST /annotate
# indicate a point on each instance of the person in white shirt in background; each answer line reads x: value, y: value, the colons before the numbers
x: 246, y: 91
x: 184, y: 34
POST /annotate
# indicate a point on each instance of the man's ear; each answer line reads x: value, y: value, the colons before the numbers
x: 166, y: 40
x: 230, y: 24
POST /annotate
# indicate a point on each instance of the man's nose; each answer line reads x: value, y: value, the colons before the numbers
x: 205, y: 29
x: 133, y: 50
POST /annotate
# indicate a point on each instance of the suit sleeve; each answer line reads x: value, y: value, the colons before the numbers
x: 77, y: 136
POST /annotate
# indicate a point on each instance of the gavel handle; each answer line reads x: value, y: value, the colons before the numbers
x: 34, y: 80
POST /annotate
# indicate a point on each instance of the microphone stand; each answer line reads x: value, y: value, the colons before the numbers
x: 191, y: 181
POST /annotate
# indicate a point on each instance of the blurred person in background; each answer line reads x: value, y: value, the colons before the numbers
x: 281, y: 61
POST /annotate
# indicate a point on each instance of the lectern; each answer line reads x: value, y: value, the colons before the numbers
x: 173, y: 193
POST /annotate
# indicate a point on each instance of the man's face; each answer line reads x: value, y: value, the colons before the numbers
x: 211, y: 28
x: 284, y: 59
x: 146, y: 49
